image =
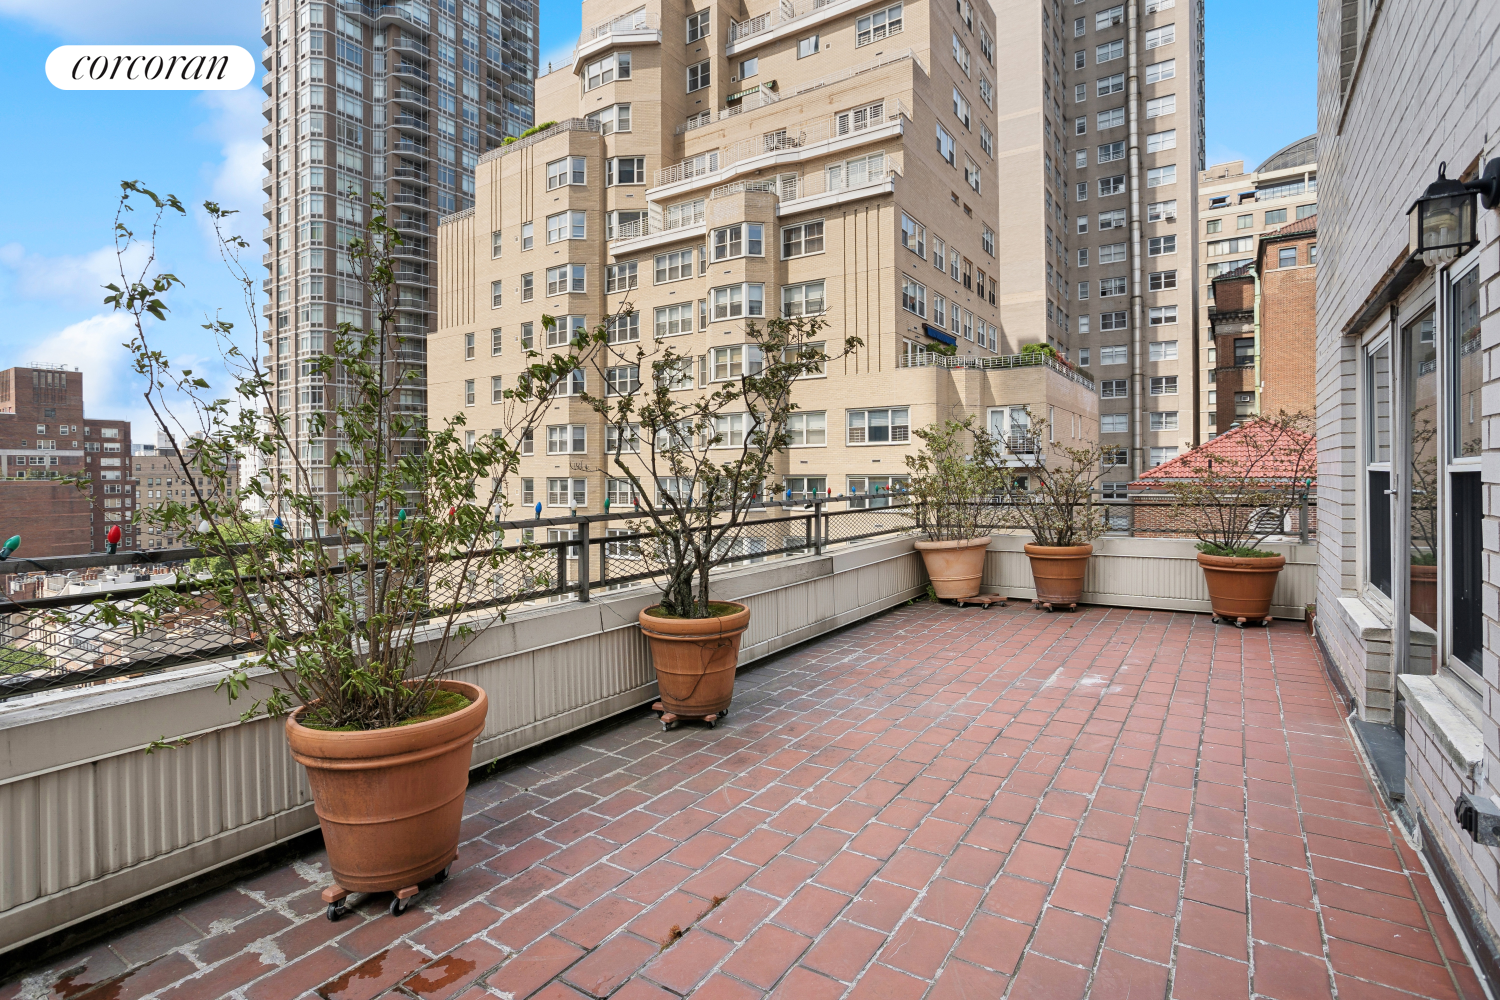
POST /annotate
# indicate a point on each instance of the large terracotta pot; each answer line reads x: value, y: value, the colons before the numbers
x: 956, y: 567
x: 1424, y: 595
x: 1240, y: 589
x: 1058, y: 573
x: 390, y: 800
x: 695, y: 660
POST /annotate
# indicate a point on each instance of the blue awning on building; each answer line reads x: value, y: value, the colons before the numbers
x: 939, y: 335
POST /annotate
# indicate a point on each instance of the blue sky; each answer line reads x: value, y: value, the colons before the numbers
x: 70, y: 150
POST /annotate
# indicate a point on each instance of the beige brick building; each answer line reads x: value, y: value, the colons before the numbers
x: 719, y: 164
x: 1235, y: 208
x: 1100, y: 105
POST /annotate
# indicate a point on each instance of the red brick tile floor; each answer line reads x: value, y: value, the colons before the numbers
x: 935, y: 803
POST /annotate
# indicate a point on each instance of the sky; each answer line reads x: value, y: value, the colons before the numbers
x: 69, y: 151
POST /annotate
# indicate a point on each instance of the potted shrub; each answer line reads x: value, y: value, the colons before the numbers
x: 355, y: 598
x: 1057, y: 506
x: 954, y: 482
x: 1232, y: 494
x: 696, y: 451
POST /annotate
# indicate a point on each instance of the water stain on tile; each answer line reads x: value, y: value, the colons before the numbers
x: 370, y: 968
x: 444, y: 972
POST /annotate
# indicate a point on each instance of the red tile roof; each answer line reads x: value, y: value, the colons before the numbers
x: 1239, y: 446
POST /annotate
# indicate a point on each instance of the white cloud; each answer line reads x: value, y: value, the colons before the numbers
x: 235, y: 123
x: 96, y: 347
x: 73, y: 280
x: 109, y: 21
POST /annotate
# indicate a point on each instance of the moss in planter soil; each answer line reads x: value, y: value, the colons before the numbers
x: 716, y: 609
x: 1210, y: 549
x: 442, y: 703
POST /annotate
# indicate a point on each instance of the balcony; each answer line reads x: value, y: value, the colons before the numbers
x: 409, y: 147
x: 639, y: 28
x: 405, y: 44
x: 785, y: 144
x: 409, y: 123
x: 408, y: 70
x: 404, y: 96
x: 930, y: 801
x: 929, y: 359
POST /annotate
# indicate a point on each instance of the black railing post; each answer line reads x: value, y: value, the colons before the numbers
x: 583, y: 561
x: 604, y: 559
x: 1302, y: 524
x: 562, y: 567
x: 818, y: 527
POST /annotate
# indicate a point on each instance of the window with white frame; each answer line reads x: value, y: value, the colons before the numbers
x: 1116, y: 355
x: 1109, y: 152
x: 1161, y: 281
x: 946, y: 147
x: 566, y: 278
x: 622, y: 380
x: 572, y: 383
x: 624, y: 170
x: 802, y: 239
x: 567, y: 493
x: 883, y: 426
x: 1110, y: 18
x: 807, y: 46
x: 1163, y: 316
x: 746, y: 239
x: 468, y: 393
x: 1113, y: 253
x: 1157, y: 37
x: 627, y: 443
x: 615, y: 118
x: 807, y: 429
x: 1083, y: 256
x: 1164, y: 385
x: 568, y: 170
x: 1114, y: 388
x: 1162, y: 454
x: 1107, y: 85
x: 675, y: 319
x: 561, y: 333
x: 961, y: 54
x: 1162, y: 350
x: 856, y: 172
x: 1157, y: 246
x: 495, y: 290
x: 802, y: 300
x: 1162, y: 211
x: 698, y: 75
x: 987, y: 240
x: 1113, y: 219
x: 615, y: 66
x: 497, y: 340
x: 497, y: 394
x: 1111, y: 185
x: 734, y: 361
x: 1160, y: 142
x: 621, y: 277
x: 697, y: 25
x: 528, y: 287
x: 1109, y: 51
x: 971, y: 173
x: 495, y: 244
x: 1109, y: 118
x: 567, y: 439
x: 735, y: 301
x: 1159, y: 71
x: 913, y: 235
x: 1114, y: 423
x: 960, y: 108
x: 677, y: 375
x: 986, y: 91
x: 1157, y: 107
x: 1164, y: 420
x: 567, y: 226
x: 674, y: 266
x: 624, y: 328
x: 1112, y: 321
x: 914, y: 297
x: 873, y: 27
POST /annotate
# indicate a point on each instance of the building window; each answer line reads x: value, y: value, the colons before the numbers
x: 1162, y: 211
x: 1158, y: 176
x: 1286, y: 257
x: 567, y: 226
x: 807, y: 46
x: 1111, y: 185
x: 1160, y: 281
x: 1162, y: 350
x: 1109, y: 152
x: 1163, y: 454
x: 1163, y: 316
x: 624, y: 328
x: 1111, y: 118
x: 802, y: 300
x: 495, y: 244
x: 1106, y: 52
x: 697, y: 25
x: 1083, y: 357
x: 1157, y: 37
x: 1306, y: 211
x: 495, y: 294
x: 1110, y: 85
x: 1156, y: 107
x: 914, y: 297
x: 742, y: 240
x: 735, y: 301
x: 1244, y: 404
x: 1113, y: 17
x: 1118, y: 354
x: 468, y: 347
x: 1164, y: 70
x: 497, y: 340
x: 624, y: 170
x: 567, y: 493
x: 1111, y: 286
x: 468, y: 392
x: 497, y: 395
x: 612, y: 119
x: 1164, y: 385
x: 567, y: 278
x: 568, y: 170
x: 886, y: 426
x: 1112, y: 321
x: 698, y: 75
x: 615, y: 66
x: 1112, y: 220
x: 945, y: 145
x: 674, y: 266
x: 1114, y: 388
x: 1160, y: 142
x: 808, y: 430
x: 1114, y: 423
x: 527, y: 238
x: 1157, y: 246
x: 873, y: 27
x: 1214, y: 226
x: 621, y: 277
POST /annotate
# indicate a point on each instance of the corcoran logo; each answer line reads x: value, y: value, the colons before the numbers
x: 150, y: 67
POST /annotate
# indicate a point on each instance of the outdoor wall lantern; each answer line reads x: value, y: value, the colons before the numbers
x: 1443, y: 219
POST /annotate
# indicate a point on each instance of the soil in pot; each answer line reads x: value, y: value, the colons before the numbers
x: 1240, y: 587
x: 390, y: 801
x: 695, y: 658
x: 955, y: 567
x: 1058, y: 572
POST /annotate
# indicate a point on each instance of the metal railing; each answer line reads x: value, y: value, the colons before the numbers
x: 786, y: 13
x: 638, y: 21
x: 568, y: 125
x: 931, y: 359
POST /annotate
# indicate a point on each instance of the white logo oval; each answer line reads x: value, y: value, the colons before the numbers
x: 150, y: 67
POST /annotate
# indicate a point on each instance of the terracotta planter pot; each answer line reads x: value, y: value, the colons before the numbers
x: 1058, y: 572
x: 1424, y: 595
x: 955, y: 568
x: 1240, y: 589
x: 695, y: 660
x: 390, y: 800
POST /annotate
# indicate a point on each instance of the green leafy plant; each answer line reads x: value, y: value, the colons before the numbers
x: 698, y: 453
x: 1059, y: 505
x: 382, y: 560
x: 1235, y: 494
x: 955, y: 480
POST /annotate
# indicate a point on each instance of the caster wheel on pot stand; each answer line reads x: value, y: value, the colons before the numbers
x: 401, y: 902
x: 442, y: 876
x: 334, y: 896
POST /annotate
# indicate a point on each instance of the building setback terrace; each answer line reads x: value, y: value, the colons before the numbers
x: 936, y: 802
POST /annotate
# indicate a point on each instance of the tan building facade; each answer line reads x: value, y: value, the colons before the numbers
x: 1101, y: 138
x: 713, y: 167
x: 1235, y: 209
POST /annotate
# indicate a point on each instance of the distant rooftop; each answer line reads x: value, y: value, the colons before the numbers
x: 1299, y: 153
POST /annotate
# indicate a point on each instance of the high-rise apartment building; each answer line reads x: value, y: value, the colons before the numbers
x: 1235, y: 208
x: 1101, y: 139
x: 713, y: 167
x: 401, y: 101
x: 44, y: 439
